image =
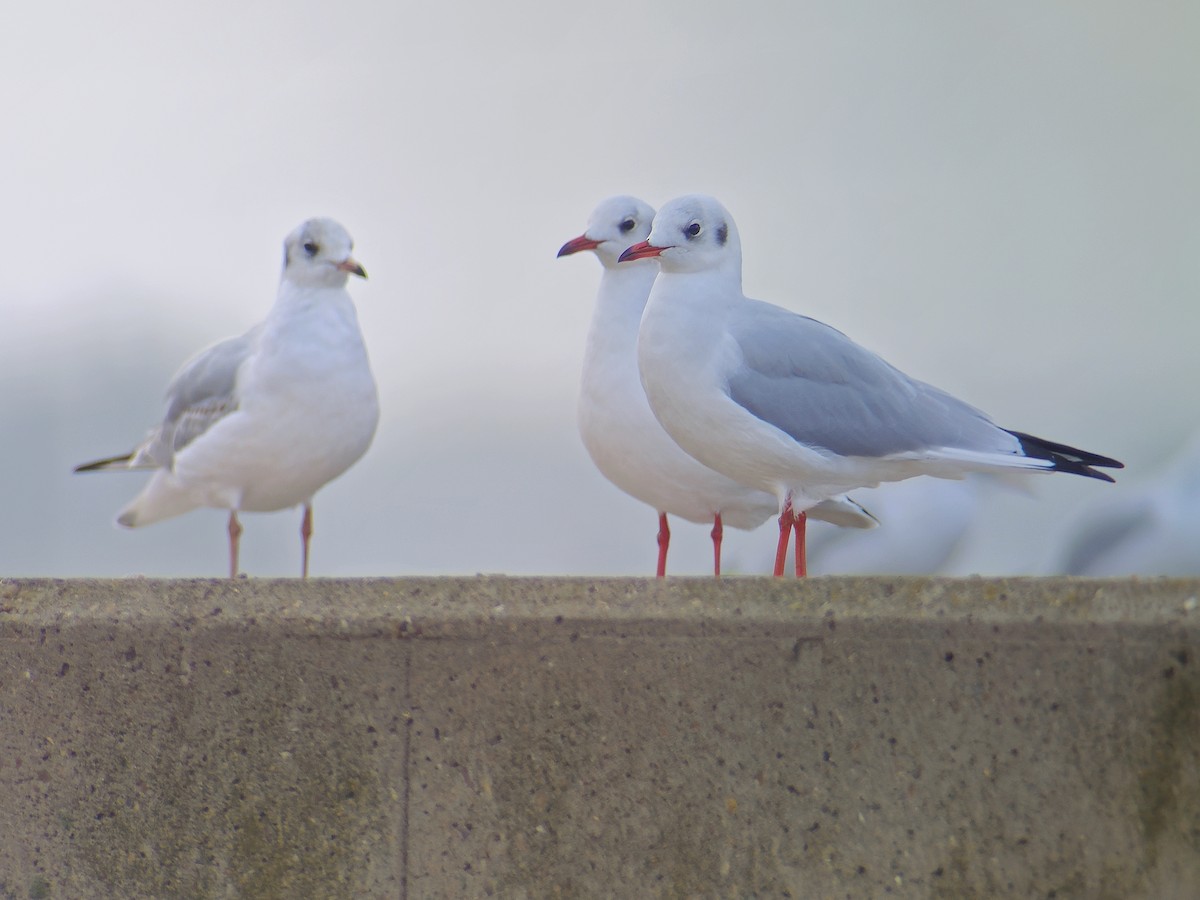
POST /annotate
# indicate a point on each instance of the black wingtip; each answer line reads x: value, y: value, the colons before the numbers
x: 98, y: 464
x: 1066, y: 458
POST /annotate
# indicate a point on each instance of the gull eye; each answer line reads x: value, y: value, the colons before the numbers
x: 693, y: 230
x: 311, y: 248
x: 627, y: 225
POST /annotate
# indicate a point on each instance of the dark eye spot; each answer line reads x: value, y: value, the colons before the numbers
x: 693, y: 230
x: 722, y: 234
x: 627, y: 226
x: 310, y: 248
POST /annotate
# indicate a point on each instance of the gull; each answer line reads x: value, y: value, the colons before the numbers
x: 260, y: 422
x: 1150, y: 529
x: 791, y: 406
x: 926, y: 522
x: 618, y: 429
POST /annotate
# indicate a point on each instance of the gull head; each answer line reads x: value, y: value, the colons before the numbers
x: 614, y: 225
x: 317, y: 254
x: 691, y: 234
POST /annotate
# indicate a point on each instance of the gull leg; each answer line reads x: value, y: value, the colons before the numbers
x: 306, y: 531
x: 785, y: 532
x: 800, y: 523
x: 718, y: 532
x: 664, y: 541
x: 235, y: 534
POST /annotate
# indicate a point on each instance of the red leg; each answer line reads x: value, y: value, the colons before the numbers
x: 785, y: 532
x: 306, y: 531
x: 235, y: 533
x: 800, y: 522
x: 664, y: 541
x: 718, y: 533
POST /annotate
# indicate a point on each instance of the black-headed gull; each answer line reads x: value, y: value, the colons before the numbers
x: 784, y: 403
x: 620, y: 432
x: 926, y: 521
x: 260, y: 422
x: 1147, y: 529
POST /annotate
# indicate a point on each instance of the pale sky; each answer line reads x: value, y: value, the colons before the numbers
x: 1001, y: 199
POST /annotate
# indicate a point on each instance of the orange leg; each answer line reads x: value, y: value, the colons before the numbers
x: 664, y: 541
x: 235, y: 534
x: 306, y: 531
x: 718, y: 532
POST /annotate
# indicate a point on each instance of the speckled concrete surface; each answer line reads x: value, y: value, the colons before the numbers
x: 580, y: 738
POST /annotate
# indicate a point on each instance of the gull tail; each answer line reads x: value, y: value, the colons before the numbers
x: 161, y: 498
x: 1065, y: 458
x: 844, y: 512
x: 111, y: 462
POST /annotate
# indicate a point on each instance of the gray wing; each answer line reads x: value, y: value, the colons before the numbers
x: 818, y: 386
x: 202, y: 393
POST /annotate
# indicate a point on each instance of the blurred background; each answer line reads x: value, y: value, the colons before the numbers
x: 1001, y: 199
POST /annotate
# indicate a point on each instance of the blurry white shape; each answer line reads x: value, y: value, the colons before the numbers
x: 922, y: 522
x: 1147, y: 528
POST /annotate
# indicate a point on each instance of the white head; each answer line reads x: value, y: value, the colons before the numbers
x: 694, y: 233
x: 317, y: 254
x: 614, y: 225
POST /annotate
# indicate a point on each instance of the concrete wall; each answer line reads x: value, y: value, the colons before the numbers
x: 577, y: 738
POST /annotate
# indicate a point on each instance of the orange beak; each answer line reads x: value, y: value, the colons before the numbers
x: 349, y: 264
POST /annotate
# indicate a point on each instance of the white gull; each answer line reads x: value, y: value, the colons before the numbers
x: 260, y: 422
x: 925, y: 523
x: 786, y: 404
x: 1152, y: 528
x: 621, y: 434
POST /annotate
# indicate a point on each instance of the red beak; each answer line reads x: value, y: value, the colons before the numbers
x: 574, y: 245
x: 644, y: 250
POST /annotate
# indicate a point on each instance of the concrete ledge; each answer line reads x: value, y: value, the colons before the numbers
x: 578, y: 738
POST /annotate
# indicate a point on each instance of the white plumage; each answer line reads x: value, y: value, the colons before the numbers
x: 621, y: 434
x: 783, y: 403
x: 260, y: 422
